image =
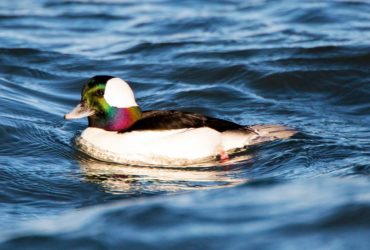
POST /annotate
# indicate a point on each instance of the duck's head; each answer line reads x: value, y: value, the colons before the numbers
x: 108, y: 102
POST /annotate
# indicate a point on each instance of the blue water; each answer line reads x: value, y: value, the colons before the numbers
x: 304, y: 64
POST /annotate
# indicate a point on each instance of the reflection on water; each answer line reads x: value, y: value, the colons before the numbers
x: 119, y: 178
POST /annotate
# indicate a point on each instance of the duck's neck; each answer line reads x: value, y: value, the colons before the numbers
x: 116, y: 119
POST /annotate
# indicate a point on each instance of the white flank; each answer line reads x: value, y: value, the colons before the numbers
x: 173, y: 147
x: 119, y: 94
x: 178, y: 146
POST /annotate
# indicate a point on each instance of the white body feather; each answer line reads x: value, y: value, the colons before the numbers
x: 119, y: 94
x: 172, y: 147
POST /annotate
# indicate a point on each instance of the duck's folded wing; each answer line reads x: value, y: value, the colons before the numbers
x: 173, y: 119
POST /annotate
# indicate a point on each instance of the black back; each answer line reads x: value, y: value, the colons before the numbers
x: 173, y: 119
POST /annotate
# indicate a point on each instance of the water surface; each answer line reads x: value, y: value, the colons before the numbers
x: 302, y: 64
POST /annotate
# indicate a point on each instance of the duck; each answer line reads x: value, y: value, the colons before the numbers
x: 119, y: 131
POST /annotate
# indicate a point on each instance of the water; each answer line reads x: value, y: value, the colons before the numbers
x: 304, y: 64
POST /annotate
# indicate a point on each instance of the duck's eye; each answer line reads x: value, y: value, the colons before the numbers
x: 100, y: 93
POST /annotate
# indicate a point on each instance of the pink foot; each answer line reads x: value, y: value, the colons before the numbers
x: 224, y: 156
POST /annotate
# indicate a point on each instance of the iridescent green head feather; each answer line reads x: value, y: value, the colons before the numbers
x: 108, y: 102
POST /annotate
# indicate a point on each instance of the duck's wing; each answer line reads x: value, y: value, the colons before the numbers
x: 173, y: 119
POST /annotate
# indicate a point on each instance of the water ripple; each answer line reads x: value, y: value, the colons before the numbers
x: 302, y: 64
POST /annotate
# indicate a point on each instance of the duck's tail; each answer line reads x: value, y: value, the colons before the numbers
x: 271, y: 132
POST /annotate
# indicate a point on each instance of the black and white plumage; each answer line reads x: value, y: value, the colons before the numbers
x: 161, y: 137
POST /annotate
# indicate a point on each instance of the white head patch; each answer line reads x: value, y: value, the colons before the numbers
x: 119, y: 94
